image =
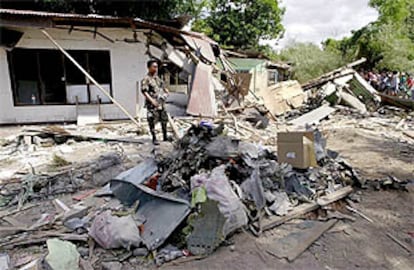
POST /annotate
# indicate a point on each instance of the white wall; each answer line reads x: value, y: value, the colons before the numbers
x: 128, y: 65
x: 259, y: 79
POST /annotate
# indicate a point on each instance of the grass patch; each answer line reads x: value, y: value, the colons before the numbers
x: 58, y: 161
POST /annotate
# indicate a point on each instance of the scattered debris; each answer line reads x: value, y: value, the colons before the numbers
x: 58, y: 161
x: 313, y: 117
x: 167, y: 254
x: 4, y: 261
x: 62, y: 255
x: 114, y: 232
x: 283, y: 97
x: 245, y: 168
x: 208, y: 229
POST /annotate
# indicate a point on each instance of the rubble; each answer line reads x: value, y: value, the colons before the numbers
x: 313, y: 117
x: 245, y: 169
x: 62, y: 255
x: 4, y: 261
x: 283, y: 97
x: 114, y: 232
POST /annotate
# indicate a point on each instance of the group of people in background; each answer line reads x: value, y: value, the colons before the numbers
x: 391, y: 83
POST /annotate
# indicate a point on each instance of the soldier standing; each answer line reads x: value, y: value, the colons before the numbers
x: 155, y: 94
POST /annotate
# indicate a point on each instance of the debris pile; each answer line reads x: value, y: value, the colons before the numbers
x: 188, y: 201
x: 210, y: 185
x: 243, y: 170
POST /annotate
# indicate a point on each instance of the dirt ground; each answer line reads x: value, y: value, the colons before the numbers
x: 348, y: 245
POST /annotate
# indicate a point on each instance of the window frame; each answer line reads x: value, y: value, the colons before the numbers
x: 40, y: 80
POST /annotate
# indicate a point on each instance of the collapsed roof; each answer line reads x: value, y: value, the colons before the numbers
x: 193, y: 52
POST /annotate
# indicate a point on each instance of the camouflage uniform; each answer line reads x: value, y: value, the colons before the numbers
x: 154, y: 86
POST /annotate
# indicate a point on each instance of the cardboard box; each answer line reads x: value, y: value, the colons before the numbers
x: 297, y: 149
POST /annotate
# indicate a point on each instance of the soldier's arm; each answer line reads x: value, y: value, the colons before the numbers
x: 145, y: 92
x: 153, y: 101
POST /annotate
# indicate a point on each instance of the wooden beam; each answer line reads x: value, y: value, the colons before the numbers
x: 176, y: 132
x: 306, y: 208
x: 91, y: 78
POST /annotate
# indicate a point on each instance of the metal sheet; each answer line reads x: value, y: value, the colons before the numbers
x: 205, y: 50
x: 161, y: 213
x: 124, y: 185
x: 179, y: 59
x: 202, y: 99
x: 156, y: 52
x: 50, y: 19
x: 201, y: 46
x: 208, y: 230
x: 190, y: 41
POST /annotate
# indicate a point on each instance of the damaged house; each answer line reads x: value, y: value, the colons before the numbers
x: 39, y: 84
x: 261, y: 73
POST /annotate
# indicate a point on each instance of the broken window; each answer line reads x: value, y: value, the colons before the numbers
x: 42, y: 77
x: 273, y: 77
x: 51, y: 75
x: 25, y: 77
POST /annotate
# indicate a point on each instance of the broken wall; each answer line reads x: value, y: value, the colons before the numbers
x: 283, y: 97
x: 128, y: 66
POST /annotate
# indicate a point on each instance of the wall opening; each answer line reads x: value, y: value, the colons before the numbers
x: 46, y: 77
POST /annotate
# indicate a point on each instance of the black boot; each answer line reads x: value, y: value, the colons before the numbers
x: 164, y: 133
x: 154, y: 139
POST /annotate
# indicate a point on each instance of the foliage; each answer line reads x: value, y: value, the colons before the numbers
x: 234, y: 23
x: 152, y: 10
x: 241, y: 23
x: 388, y: 43
x: 309, y: 61
x: 58, y: 161
x: 394, y: 11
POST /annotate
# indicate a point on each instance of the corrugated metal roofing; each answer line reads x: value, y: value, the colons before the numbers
x: 95, y: 18
x: 245, y: 64
x: 50, y: 14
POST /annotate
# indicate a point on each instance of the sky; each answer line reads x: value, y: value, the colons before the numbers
x: 316, y: 20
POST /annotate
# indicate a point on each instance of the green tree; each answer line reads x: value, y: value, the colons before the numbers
x: 387, y: 43
x: 151, y: 10
x: 395, y: 11
x: 241, y: 23
x: 309, y: 61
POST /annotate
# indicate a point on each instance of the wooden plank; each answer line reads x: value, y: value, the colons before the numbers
x: 42, y: 238
x: 295, y: 243
x: 335, y: 74
x: 6, y: 213
x: 335, y: 196
x: 14, y: 222
x: 400, y: 243
x: 176, y: 132
x: 87, y: 136
x: 409, y: 134
x: 302, y: 209
x: 313, y: 117
x: 297, y: 212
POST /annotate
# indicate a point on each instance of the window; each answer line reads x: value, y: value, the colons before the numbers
x: 273, y: 77
x: 43, y: 77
